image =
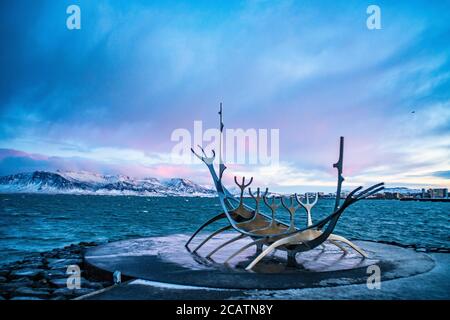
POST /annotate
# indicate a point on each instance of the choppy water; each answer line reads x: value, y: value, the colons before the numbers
x: 31, y: 223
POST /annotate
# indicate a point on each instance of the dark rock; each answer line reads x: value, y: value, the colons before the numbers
x: 58, y: 283
x: 13, y: 286
x: 22, y: 279
x: 33, y: 260
x: 26, y: 298
x: 4, y: 272
x: 84, y: 283
x: 7, y: 287
x: 12, y: 266
x: 72, y: 293
x: 63, y: 263
x: 67, y: 255
x: 54, y: 274
x: 43, y: 275
x: 31, y: 292
x: 87, y: 244
x: 26, y: 272
x: 10, y: 287
x: 47, y: 254
x: 42, y: 283
x: 33, y: 265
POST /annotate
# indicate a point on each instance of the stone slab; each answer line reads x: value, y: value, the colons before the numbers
x: 166, y: 260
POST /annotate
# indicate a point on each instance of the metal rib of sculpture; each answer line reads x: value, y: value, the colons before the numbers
x: 265, y: 230
x: 332, y: 238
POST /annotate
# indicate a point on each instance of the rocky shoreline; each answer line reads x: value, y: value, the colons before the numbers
x: 42, y: 276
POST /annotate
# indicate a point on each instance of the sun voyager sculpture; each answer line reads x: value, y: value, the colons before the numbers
x: 266, y: 232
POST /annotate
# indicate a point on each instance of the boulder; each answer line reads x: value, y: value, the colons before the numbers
x: 31, y: 292
x: 54, y: 274
x: 87, y: 244
x: 17, y: 283
x: 63, y: 263
x: 4, y: 272
x: 25, y: 298
x: 42, y: 283
x: 26, y: 272
x: 58, y: 282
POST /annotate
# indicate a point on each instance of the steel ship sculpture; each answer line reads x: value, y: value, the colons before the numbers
x: 266, y: 232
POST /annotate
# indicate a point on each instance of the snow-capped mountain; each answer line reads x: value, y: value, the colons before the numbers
x: 183, y: 186
x: 402, y: 190
x: 92, y: 183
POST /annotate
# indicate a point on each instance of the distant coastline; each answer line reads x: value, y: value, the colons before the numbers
x: 86, y: 183
x: 426, y: 199
x: 95, y: 184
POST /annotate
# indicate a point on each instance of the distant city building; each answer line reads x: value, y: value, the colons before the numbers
x: 438, y: 193
x: 392, y: 195
x: 434, y: 193
x: 403, y: 194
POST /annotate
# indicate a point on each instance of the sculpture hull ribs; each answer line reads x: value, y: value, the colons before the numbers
x: 267, y: 233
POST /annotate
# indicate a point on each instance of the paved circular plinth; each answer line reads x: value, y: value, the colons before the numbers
x: 165, y: 259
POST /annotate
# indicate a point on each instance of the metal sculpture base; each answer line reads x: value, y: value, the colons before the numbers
x: 165, y: 260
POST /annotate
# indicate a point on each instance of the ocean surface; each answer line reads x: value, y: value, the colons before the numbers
x: 32, y: 223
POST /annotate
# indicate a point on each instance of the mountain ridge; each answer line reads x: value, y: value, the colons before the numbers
x: 83, y: 182
x: 72, y: 182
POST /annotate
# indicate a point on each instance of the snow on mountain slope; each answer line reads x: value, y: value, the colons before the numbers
x: 93, y: 183
x: 91, y: 177
x: 185, y: 186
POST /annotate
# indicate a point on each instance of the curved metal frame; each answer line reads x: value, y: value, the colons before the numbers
x: 286, y: 236
x: 332, y: 237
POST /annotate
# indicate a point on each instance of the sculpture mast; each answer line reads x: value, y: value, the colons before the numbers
x: 221, y: 165
x: 338, y: 165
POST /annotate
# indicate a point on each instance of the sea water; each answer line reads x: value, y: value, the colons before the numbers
x: 36, y: 222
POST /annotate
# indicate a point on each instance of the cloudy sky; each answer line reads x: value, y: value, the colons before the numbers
x: 107, y: 97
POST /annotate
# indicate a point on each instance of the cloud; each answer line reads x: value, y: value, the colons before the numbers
x: 13, y: 161
x: 111, y: 93
x: 442, y: 174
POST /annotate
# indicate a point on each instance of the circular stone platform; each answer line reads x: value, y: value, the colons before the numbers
x: 165, y: 259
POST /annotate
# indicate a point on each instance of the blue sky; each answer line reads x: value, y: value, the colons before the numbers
x: 106, y: 98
